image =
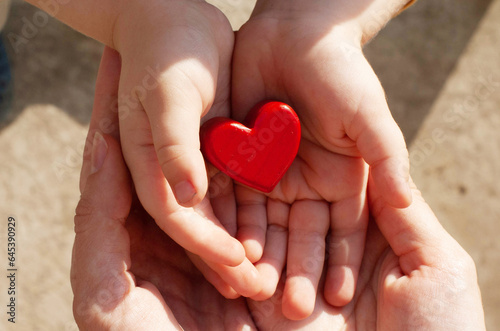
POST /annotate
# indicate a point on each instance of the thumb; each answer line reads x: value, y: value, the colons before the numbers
x: 101, y: 252
x: 105, y: 112
x: 108, y: 188
x: 383, y: 147
x: 100, y: 278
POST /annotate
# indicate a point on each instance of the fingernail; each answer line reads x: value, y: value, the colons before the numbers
x: 184, y: 192
x: 99, y: 151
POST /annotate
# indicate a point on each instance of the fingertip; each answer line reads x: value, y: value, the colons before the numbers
x: 213, y: 278
x: 229, y: 293
x: 383, y: 147
x: 266, y: 293
x: 339, y: 286
x: 298, y: 303
x: 220, y: 285
x: 296, y: 310
x: 252, y: 282
x: 270, y: 284
x: 199, y: 232
x: 253, y: 250
x: 244, y: 278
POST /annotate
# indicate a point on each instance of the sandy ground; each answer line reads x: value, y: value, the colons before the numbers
x: 438, y: 62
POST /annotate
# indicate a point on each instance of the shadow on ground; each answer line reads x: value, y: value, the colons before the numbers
x: 52, y: 64
x: 416, y: 52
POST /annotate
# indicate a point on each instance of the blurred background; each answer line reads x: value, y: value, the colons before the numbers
x: 439, y: 63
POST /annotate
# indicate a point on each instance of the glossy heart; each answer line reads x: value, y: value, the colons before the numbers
x: 258, y: 154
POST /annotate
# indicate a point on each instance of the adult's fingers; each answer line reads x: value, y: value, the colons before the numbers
x: 221, y: 195
x: 273, y: 260
x: 105, y: 293
x: 105, y: 111
x: 381, y: 143
x: 349, y: 219
x: 414, y: 233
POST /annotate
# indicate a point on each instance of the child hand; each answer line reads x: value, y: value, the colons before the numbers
x: 305, y: 54
x: 175, y: 68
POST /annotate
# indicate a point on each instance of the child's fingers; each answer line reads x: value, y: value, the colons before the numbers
x: 252, y: 221
x: 244, y: 278
x: 231, y: 282
x: 308, y: 226
x: 272, y: 263
x: 201, y: 235
x: 182, y: 93
x: 349, y: 219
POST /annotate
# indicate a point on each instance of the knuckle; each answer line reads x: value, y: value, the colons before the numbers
x: 84, y: 207
x: 83, y: 212
x: 460, y: 268
x: 170, y: 154
x: 378, y: 206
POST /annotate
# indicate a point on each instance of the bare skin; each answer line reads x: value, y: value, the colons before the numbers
x: 128, y: 275
x: 308, y: 54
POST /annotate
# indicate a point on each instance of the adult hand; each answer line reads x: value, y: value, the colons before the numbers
x: 242, y: 279
x: 308, y: 54
x: 414, y: 276
x: 126, y: 273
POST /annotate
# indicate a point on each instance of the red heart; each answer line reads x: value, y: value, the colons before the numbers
x: 258, y: 154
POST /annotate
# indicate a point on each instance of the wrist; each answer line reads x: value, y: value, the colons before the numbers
x: 148, y: 23
x: 320, y: 17
x: 135, y: 22
x: 363, y: 20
